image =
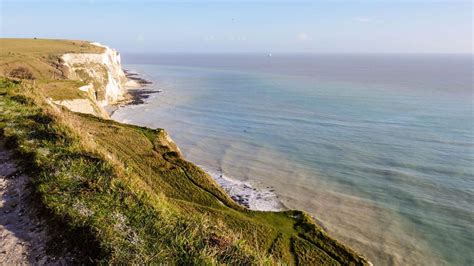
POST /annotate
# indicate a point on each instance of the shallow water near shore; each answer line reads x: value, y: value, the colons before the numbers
x: 378, y: 148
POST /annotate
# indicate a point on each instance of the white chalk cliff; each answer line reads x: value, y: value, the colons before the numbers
x: 104, y: 75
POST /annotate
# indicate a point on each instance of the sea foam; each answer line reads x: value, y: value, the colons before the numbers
x: 246, y: 193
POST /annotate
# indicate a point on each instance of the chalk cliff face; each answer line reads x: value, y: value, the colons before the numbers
x: 103, y: 72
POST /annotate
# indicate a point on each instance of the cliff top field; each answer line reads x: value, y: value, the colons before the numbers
x: 42, y: 58
x: 43, y: 47
x: 125, y: 194
x: 41, y: 55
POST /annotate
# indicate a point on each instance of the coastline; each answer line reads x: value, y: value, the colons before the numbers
x: 247, y: 194
x: 88, y: 152
x: 215, y: 120
x: 253, y: 196
x: 135, y: 94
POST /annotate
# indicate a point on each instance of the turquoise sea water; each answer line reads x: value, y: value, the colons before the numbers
x: 379, y: 148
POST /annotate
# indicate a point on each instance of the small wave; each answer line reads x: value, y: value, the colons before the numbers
x: 246, y: 194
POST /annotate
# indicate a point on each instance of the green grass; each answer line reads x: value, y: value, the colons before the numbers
x: 39, y: 55
x: 60, y: 90
x: 42, y: 58
x: 42, y: 47
x: 123, y: 193
x: 136, y: 200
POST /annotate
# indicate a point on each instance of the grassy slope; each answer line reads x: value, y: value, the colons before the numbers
x: 133, y: 198
x: 42, y: 58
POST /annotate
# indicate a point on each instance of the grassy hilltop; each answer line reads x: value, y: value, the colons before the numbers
x: 42, y: 59
x: 124, y: 193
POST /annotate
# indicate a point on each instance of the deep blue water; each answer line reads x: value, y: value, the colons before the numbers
x: 379, y: 148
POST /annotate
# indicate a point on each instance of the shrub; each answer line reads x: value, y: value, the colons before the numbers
x: 22, y: 73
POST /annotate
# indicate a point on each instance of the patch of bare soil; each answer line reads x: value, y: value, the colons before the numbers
x: 24, y: 237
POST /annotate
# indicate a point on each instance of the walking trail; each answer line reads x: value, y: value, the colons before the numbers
x: 23, y: 235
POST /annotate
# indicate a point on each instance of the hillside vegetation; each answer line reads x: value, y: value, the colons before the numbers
x: 39, y: 55
x: 42, y: 59
x: 125, y: 194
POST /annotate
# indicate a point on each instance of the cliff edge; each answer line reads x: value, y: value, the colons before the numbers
x: 81, y: 76
x: 102, y: 72
x: 104, y: 76
x: 124, y: 193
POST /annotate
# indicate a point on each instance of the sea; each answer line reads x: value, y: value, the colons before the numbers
x: 379, y: 148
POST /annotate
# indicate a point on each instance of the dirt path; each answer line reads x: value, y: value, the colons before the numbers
x: 23, y: 238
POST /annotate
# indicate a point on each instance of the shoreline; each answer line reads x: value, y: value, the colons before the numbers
x: 249, y: 195
x: 252, y: 196
x: 96, y: 146
x: 135, y: 94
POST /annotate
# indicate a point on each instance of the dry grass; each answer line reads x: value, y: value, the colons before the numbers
x: 134, y: 195
x: 124, y: 193
x: 42, y: 58
x: 41, y: 47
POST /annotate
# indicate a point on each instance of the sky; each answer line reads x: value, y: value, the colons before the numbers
x: 265, y: 26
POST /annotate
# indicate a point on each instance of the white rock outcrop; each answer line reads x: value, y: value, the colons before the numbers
x: 78, y: 105
x: 103, y: 72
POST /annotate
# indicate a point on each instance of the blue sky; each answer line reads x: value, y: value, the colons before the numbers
x: 363, y: 26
